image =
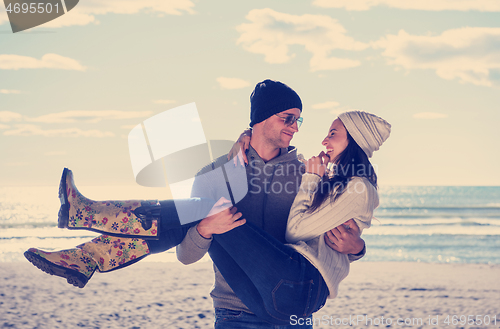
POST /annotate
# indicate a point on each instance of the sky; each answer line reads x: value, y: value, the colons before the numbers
x: 72, y: 89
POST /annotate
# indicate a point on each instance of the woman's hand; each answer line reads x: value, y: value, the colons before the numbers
x: 317, y: 165
x: 345, y: 238
x: 238, y: 151
x: 222, y: 218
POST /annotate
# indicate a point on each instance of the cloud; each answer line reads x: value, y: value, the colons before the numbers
x: 86, y: 11
x: 430, y: 115
x: 333, y: 107
x: 75, y: 116
x: 48, y: 61
x: 164, y: 101
x: 431, y: 5
x: 272, y: 33
x: 25, y: 129
x: 89, y: 116
x: 7, y: 116
x: 469, y: 54
x: 232, y: 83
x: 33, y: 130
x: 325, y: 105
x: 72, y: 18
x: 170, y: 7
x: 9, y: 91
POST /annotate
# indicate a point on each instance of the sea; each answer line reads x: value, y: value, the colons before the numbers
x: 432, y: 224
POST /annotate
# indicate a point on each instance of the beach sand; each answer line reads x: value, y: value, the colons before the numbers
x: 171, y: 295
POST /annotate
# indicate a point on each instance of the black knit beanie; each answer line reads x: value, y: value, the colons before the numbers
x: 271, y: 97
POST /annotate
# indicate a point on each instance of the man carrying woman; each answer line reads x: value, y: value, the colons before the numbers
x: 260, y: 281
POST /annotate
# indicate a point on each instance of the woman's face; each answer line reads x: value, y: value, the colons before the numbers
x: 336, y: 140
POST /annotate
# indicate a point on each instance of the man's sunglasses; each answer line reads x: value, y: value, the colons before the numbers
x: 290, y: 119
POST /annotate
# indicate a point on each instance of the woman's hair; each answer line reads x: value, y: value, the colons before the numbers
x: 352, y: 162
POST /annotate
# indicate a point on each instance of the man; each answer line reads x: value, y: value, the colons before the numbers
x: 273, y: 175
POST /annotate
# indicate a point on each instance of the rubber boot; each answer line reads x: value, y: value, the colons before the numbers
x: 73, y: 264
x: 112, y: 253
x: 119, y: 218
x: 104, y: 253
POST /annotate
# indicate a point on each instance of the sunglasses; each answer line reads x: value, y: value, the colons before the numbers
x: 290, y: 119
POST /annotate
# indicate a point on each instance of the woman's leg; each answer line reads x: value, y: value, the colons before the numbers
x: 130, y: 218
x: 132, y: 230
x: 111, y: 252
x: 272, y: 279
x: 105, y: 253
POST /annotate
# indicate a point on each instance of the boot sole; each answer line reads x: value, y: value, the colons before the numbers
x: 63, y: 215
x: 73, y: 277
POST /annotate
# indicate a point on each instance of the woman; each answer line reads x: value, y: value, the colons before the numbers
x: 274, y: 280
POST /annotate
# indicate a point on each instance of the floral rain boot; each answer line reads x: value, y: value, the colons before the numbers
x: 112, y: 253
x: 104, y: 253
x: 73, y: 264
x: 119, y: 218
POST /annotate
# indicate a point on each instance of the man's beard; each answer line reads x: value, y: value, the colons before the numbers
x: 278, y: 142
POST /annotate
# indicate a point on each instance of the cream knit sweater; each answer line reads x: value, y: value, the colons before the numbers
x: 305, y: 231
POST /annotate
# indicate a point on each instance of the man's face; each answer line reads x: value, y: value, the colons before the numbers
x: 274, y: 130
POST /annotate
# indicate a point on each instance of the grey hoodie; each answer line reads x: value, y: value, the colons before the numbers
x: 272, y: 187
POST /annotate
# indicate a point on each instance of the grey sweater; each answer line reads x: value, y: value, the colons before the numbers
x: 306, y: 231
x: 272, y: 187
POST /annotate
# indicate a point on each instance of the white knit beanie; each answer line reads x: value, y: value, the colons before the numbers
x: 368, y: 131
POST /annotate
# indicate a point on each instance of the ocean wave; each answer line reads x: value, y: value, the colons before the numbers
x: 445, y: 208
x: 450, y: 230
x: 44, y: 232
x: 427, y: 221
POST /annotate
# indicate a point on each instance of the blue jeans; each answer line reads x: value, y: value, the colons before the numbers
x: 171, y: 231
x: 228, y: 319
x: 273, y: 280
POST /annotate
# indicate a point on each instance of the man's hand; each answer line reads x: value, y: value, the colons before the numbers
x: 221, y: 222
x: 238, y: 151
x: 345, y: 238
